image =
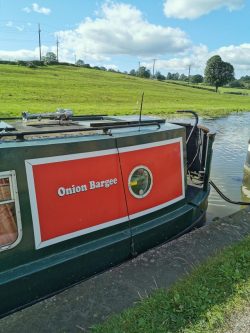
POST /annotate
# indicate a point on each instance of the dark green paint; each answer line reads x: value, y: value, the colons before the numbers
x: 27, y: 275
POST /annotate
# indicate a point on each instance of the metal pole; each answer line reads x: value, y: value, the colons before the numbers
x: 154, y: 60
x: 189, y: 69
x: 39, y: 38
x: 57, y: 44
x: 141, y: 110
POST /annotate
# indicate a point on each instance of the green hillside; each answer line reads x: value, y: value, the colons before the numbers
x: 90, y: 91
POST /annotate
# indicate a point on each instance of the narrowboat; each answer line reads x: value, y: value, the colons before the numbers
x: 80, y: 194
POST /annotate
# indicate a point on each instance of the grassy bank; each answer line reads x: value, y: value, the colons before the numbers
x: 91, y: 91
x: 201, y: 303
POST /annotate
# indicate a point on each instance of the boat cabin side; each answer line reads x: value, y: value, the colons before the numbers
x: 89, y: 202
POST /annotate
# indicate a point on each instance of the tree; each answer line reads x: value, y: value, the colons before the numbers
x: 175, y: 76
x: 132, y: 72
x: 245, y: 78
x: 159, y: 76
x: 197, y: 78
x: 183, y: 77
x: 143, y: 72
x: 50, y: 58
x: 169, y: 76
x: 80, y: 62
x: 236, y: 84
x: 218, y: 72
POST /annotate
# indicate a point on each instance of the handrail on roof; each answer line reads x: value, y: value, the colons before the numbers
x: 20, y: 135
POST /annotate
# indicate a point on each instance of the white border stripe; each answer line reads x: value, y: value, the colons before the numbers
x: 33, y: 203
x: 71, y: 157
x: 62, y: 158
x: 155, y: 208
x: 182, y: 169
x: 152, y: 145
x: 149, y: 145
x: 81, y: 232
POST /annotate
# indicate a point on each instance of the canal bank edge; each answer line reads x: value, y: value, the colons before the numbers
x: 94, y: 300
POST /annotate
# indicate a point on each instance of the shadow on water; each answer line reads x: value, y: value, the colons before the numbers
x: 229, y: 155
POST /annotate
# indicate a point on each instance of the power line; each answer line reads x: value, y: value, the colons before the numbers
x: 21, y: 40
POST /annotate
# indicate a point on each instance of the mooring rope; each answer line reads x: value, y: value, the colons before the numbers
x: 223, y: 196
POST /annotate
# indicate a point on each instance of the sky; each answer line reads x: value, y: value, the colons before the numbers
x: 178, y: 34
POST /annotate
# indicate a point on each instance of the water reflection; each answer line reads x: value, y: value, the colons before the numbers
x: 229, y: 155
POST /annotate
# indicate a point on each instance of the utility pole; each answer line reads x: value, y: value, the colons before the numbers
x: 39, y: 38
x: 154, y: 60
x: 189, y: 70
x: 57, y: 44
x: 139, y: 65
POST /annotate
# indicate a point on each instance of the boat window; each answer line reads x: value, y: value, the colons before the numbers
x: 140, y: 182
x: 10, y: 224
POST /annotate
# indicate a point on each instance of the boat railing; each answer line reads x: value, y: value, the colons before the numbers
x: 20, y: 135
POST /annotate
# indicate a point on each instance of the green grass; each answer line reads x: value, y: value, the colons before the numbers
x: 221, y: 90
x: 201, y: 303
x: 90, y: 91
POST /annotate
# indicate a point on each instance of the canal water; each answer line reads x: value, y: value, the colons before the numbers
x: 229, y: 154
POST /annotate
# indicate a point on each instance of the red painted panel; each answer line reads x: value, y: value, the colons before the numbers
x: 74, y: 195
x: 60, y: 213
x: 166, y: 166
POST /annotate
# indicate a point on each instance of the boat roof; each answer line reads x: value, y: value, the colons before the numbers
x: 63, y: 123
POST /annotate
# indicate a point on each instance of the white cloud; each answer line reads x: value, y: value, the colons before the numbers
x: 122, y: 30
x: 37, y: 9
x: 237, y: 55
x: 111, y: 66
x: 22, y: 54
x: 196, y: 57
x: 192, y: 9
x: 9, y: 24
x: 19, y: 28
x: 27, y: 10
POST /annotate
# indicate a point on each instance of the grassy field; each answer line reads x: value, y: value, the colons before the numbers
x: 201, y: 303
x: 221, y: 90
x: 90, y: 91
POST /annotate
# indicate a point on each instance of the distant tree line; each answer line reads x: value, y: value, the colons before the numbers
x: 217, y: 72
x: 243, y: 82
x: 51, y: 59
x: 81, y: 63
x: 197, y: 78
x: 145, y: 73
